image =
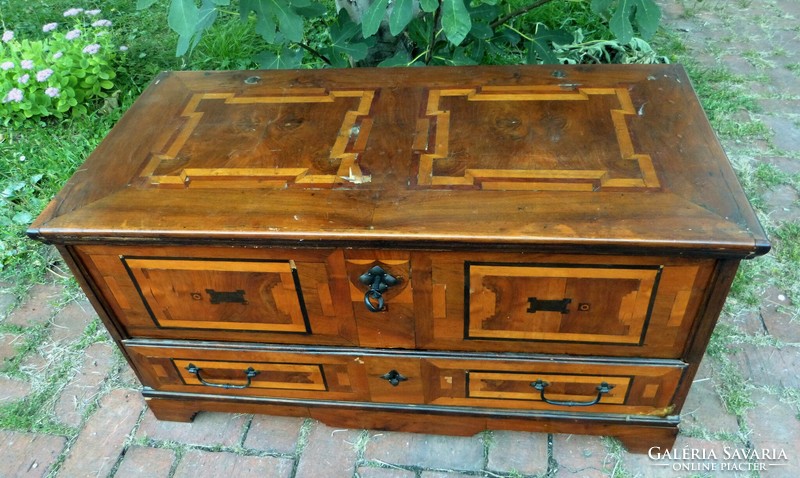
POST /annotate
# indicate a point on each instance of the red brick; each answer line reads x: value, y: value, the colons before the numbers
x: 768, y: 366
x: 100, y: 443
x: 703, y: 408
x: 644, y: 465
x: 145, y: 461
x: 210, y: 429
x: 776, y: 312
x: 28, y: 454
x: 775, y: 425
x: 580, y: 456
x: 365, y: 472
x: 329, y: 452
x: 7, y: 299
x: 70, y: 322
x: 427, y: 451
x: 274, y: 434
x: 201, y: 464
x: 12, y: 390
x: 519, y: 452
x: 8, y: 345
x: 37, y: 307
x: 82, y: 390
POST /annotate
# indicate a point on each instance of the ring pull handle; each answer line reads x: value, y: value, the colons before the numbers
x: 394, y: 377
x: 378, y: 281
x: 540, y: 385
x: 249, y: 373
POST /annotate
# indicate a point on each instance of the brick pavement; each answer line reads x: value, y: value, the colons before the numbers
x: 100, y: 426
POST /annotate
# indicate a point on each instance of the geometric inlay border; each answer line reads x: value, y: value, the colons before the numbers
x: 353, y: 132
x: 433, y: 132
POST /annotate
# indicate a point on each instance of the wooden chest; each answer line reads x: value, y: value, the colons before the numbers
x: 438, y: 250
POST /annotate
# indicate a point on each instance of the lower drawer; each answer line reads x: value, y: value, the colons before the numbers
x: 531, y: 382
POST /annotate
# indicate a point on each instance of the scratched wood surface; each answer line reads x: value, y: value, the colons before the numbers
x: 620, y: 157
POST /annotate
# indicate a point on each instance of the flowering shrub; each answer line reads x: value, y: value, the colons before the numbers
x: 60, y: 74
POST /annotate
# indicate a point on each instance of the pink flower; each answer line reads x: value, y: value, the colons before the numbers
x: 91, y: 49
x: 24, y: 78
x: 44, y: 75
x: 92, y: 13
x: 7, y: 65
x: 72, y: 34
x: 58, y: 55
x: 14, y: 95
x: 8, y: 35
x: 50, y: 27
x: 27, y: 64
x: 72, y: 12
x: 52, y: 92
x: 102, y: 23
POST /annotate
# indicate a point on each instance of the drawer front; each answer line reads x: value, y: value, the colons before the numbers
x: 248, y: 371
x: 536, y: 383
x: 617, y: 306
x: 635, y: 388
x: 559, y: 302
x: 225, y: 293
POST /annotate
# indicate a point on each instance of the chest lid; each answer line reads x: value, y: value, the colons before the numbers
x: 566, y: 156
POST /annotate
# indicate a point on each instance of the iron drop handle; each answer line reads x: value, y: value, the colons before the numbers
x: 540, y: 385
x: 378, y: 281
x: 249, y: 373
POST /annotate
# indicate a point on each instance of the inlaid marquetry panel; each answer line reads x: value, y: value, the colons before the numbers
x: 220, y: 294
x: 285, y: 376
x: 276, y: 139
x: 635, y: 388
x: 574, y: 303
x: 567, y: 138
x: 224, y: 369
x: 517, y: 386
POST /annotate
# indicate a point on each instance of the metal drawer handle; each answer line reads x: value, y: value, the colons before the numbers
x: 249, y: 373
x: 378, y: 281
x: 394, y: 377
x: 601, y: 389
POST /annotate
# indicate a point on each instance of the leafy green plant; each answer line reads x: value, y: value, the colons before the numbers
x: 59, y: 74
x: 420, y: 32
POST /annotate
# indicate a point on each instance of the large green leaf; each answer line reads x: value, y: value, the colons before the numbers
x: 373, y: 17
x: 402, y: 12
x: 644, y: 13
x: 456, y: 22
x: 205, y: 18
x: 399, y: 59
x: 541, y: 47
x: 182, y: 18
x: 343, y: 32
x: 647, y: 17
x: 289, y: 22
x: 429, y: 6
x: 286, y: 58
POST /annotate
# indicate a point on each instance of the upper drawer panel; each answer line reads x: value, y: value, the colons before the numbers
x: 571, y: 304
x: 225, y: 293
x: 244, y: 294
x: 560, y: 302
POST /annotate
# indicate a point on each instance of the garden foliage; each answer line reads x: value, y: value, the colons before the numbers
x: 59, y: 74
x: 417, y: 32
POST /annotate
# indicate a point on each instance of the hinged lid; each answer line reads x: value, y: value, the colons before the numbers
x: 611, y: 156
